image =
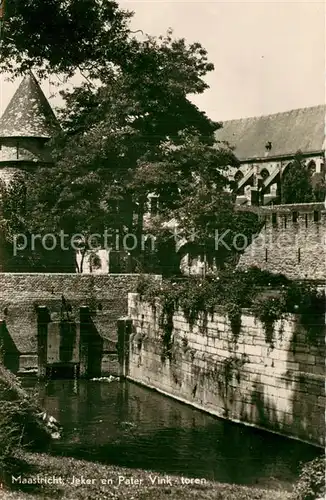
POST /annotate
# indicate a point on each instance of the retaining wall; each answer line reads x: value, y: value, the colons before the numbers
x: 242, y: 377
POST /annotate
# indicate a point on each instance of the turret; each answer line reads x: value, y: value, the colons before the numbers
x: 25, y: 128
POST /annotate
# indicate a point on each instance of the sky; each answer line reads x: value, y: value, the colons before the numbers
x: 269, y: 57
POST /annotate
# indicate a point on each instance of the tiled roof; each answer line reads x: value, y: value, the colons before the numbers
x: 300, y: 129
x: 28, y: 114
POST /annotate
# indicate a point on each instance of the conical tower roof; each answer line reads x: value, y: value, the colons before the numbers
x: 29, y: 113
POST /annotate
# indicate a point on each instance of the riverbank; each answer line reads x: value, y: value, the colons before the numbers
x: 22, y: 420
x: 41, y: 476
x: 101, y: 482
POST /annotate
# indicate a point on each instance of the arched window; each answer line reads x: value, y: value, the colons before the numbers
x: 312, y: 167
x: 264, y: 174
x: 238, y: 176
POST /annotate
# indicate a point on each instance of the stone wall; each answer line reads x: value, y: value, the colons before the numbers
x: 292, y: 241
x: 21, y: 294
x: 241, y: 377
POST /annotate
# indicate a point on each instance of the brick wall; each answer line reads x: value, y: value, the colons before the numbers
x: 243, y: 378
x: 292, y: 242
x: 21, y: 293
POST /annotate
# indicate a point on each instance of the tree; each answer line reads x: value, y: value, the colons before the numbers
x: 19, y: 251
x: 93, y: 37
x: 296, y: 184
x: 319, y: 187
x: 62, y: 36
x: 128, y: 131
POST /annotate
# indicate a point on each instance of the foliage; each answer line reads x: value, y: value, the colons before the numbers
x: 311, y: 483
x: 73, y: 34
x: 231, y: 367
x: 233, y: 311
x: 128, y: 131
x: 20, y: 425
x: 313, y: 317
x: 94, y: 37
x: 319, y: 186
x: 233, y: 290
x: 298, y: 185
x: 17, y: 217
x: 207, y: 216
x: 9, y: 434
x: 268, y: 310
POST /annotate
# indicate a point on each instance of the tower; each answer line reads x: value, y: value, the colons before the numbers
x: 25, y: 128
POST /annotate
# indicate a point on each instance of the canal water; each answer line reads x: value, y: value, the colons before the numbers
x: 122, y: 423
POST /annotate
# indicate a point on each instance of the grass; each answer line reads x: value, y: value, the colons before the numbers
x: 66, y: 468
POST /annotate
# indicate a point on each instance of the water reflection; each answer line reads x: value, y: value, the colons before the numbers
x: 124, y: 424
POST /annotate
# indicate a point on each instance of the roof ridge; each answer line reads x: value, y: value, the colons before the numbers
x: 284, y: 133
x: 274, y: 114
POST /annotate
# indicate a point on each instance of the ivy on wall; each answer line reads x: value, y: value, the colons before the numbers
x: 269, y: 296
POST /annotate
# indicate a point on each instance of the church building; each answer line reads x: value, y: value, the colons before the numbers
x: 266, y: 145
